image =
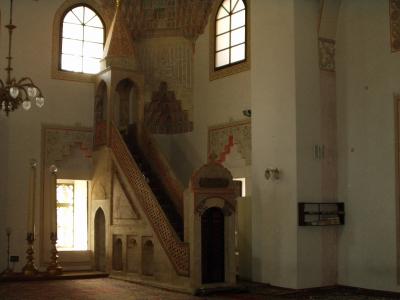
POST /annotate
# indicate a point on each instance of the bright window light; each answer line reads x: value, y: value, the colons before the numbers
x: 82, y: 41
x: 72, y: 215
x: 230, y: 33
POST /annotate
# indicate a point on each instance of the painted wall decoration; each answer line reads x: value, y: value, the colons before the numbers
x: 327, y: 54
x: 149, y: 18
x: 59, y: 141
x: 394, y: 11
x: 164, y: 114
x: 221, y: 139
x: 169, y: 60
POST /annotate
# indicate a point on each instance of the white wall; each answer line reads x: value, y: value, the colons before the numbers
x: 274, y: 142
x: 316, y: 245
x: 367, y: 76
x: 214, y: 102
x: 67, y: 103
x: 3, y: 188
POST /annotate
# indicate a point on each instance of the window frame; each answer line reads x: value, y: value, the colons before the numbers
x: 62, y: 29
x: 56, y: 71
x: 235, y: 67
x: 230, y: 31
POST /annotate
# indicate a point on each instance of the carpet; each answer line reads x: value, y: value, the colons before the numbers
x: 107, y: 288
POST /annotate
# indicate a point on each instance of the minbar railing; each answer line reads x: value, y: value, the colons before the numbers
x: 177, y: 251
x: 164, y: 171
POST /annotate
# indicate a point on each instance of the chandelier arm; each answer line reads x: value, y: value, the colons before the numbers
x: 28, y: 79
x: 27, y: 85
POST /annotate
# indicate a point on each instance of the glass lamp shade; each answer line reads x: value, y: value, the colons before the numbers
x: 39, y: 102
x: 32, y: 92
x: 26, y: 105
x: 14, y: 92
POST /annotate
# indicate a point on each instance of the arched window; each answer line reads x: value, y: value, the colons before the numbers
x: 82, y: 40
x: 230, y: 33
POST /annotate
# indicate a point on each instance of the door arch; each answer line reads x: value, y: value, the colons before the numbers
x: 213, y: 246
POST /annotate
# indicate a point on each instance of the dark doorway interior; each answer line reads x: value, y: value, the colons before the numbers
x: 212, y: 246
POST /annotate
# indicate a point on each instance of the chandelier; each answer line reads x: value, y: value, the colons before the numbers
x: 14, y: 93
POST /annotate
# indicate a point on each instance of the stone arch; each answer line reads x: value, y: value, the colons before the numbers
x: 100, y: 240
x: 126, y: 105
x: 213, y: 245
x: 101, y: 101
x: 148, y: 258
x: 117, y: 255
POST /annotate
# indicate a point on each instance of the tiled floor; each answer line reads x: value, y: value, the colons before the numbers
x: 106, y: 288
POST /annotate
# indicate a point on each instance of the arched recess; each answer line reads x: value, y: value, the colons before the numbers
x: 148, y: 258
x: 213, y: 246
x: 100, y: 240
x: 132, y: 255
x: 126, y: 105
x: 100, y: 105
x: 117, y: 255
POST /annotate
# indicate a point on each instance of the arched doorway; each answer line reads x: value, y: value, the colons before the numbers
x: 126, y: 108
x: 213, y: 246
x: 100, y: 240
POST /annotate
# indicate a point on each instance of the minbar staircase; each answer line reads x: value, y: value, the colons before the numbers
x: 154, y: 182
x: 160, y: 212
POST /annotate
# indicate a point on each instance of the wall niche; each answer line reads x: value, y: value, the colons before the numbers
x: 117, y: 263
x: 132, y: 254
x: 148, y: 257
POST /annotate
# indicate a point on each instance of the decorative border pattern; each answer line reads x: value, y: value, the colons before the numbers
x: 394, y: 13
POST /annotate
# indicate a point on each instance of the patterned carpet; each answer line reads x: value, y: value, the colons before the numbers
x: 106, y: 288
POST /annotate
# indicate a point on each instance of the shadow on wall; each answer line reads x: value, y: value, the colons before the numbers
x: 185, y: 159
x: 181, y: 155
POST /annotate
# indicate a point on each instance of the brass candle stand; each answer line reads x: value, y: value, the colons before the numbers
x: 8, y: 271
x: 54, y: 268
x: 30, y: 269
